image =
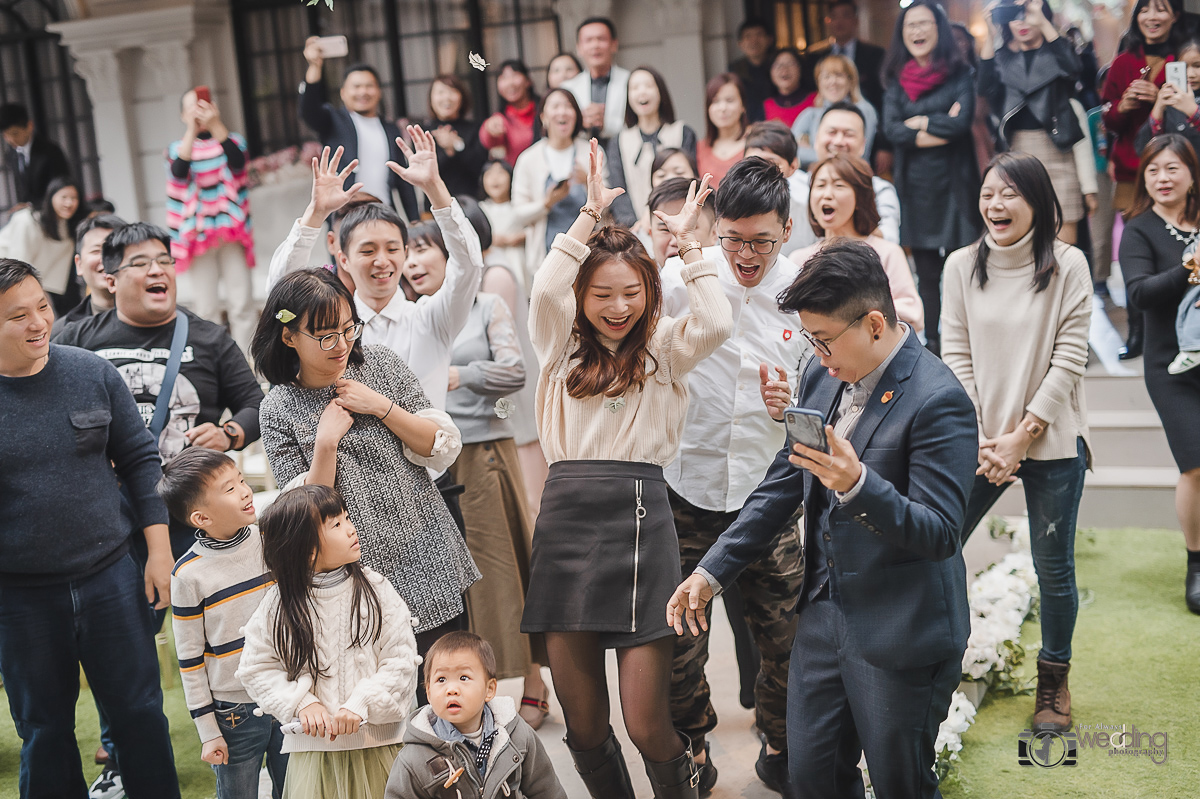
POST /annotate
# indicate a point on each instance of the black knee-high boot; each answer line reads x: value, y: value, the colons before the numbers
x: 675, y: 779
x: 603, y: 769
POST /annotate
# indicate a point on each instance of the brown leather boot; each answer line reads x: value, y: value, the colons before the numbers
x: 1052, y: 711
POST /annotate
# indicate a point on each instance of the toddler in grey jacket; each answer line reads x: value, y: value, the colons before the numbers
x: 467, y: 742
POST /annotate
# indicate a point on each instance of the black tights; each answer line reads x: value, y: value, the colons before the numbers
x: 644, y: 676
x: 929, y: 285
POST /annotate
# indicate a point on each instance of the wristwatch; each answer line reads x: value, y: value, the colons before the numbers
x: 234, y: 432
x: 1034, y: 429
x: 687, y: 247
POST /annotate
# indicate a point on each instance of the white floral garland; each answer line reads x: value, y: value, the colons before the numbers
x: 1000, y: 599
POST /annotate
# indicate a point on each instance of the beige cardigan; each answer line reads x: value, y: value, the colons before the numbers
x: 1015, y: 350
x: 643, y: 425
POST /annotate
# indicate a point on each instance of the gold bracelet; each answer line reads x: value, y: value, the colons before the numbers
x: 593, y: 213
x: 687, y: 247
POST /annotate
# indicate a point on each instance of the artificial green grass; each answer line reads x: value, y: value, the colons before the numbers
x: 1134, y: 662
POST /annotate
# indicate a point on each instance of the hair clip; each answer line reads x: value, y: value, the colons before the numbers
x: 285, y: 316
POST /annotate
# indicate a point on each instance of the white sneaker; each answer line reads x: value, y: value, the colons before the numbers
x: 107, y: 786
x: 1183, y: 362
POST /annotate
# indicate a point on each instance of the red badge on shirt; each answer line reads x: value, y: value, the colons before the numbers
x: 787, y: 335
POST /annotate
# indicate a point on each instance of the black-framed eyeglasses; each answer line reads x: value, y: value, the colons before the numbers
x: 757, y: 246
x: 822, y: 346
x: 164, y: 261
x: 329, y: 340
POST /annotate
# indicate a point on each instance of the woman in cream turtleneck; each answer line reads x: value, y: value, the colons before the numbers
x: 1015, y: 332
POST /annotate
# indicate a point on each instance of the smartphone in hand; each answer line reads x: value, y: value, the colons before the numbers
x: 203, y: 93
x: 333, y: 46
x: 807, y: 427
x: 1177, y: 76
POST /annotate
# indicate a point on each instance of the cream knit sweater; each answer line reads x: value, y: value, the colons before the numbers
x: 1015, y: 350
x: 377, y: 681
x: 642, y: 426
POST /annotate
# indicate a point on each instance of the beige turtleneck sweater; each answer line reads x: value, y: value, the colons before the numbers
x: 1015, y: 350
x: 644, y: 424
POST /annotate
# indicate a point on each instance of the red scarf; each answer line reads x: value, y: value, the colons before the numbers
x: 917, y: 80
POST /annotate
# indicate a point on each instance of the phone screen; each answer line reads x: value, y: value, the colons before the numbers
x: 806, y: 428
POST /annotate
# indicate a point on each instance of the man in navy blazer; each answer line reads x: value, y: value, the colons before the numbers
x: 883, y: 616
x: 358, y: 127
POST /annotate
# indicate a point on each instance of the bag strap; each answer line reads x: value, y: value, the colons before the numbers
x: 162, y: 404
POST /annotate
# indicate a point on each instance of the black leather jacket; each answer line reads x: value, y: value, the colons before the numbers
x: 1045, y: 88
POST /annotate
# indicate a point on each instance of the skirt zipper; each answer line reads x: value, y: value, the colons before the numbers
x: 639, y: 514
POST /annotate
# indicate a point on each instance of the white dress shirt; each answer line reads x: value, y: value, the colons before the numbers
x: 729, y: 439
x: 374, y: 151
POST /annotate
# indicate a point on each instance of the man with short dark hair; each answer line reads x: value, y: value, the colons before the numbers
x: 601, y: 89
x: 135, y: 336
x: 756, y: 40
x: 89, y: 265
x: 71, y: 594
x: 774, y: 141
x: 882, y: 617
x: 31, y: 158
x: 359, y: 127
x: 727, y: 443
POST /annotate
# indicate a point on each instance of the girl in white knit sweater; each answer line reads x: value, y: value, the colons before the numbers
x: 331, y: 647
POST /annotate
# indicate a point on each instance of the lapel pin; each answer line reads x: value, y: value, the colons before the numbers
x: 887, y: 397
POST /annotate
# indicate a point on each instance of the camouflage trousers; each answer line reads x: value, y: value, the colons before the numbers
x: 770, y: 587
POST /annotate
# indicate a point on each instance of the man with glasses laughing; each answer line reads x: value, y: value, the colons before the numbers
x: 882, y: 619
x: 727, y: 444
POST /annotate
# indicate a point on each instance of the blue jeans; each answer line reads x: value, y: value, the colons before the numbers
x: 248, y: 737
x: 1052, y: 493
x: 104, y: 623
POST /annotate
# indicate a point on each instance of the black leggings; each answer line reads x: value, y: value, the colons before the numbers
x: 929, y: 285
x: 644, y: 676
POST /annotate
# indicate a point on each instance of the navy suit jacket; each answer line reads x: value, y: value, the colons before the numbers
x: 896, y: 546
x: 336, y: 129
x: 47, y: 161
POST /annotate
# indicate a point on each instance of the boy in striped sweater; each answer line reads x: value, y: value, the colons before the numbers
x: 215, y: 589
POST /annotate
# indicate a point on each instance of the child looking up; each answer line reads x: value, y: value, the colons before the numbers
x: 332, y: 646
x: 215, y: 589
x: 467, y: 738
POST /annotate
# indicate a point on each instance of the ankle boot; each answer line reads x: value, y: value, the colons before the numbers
x: 675, y: 779
x: 603, y: 769
x: 1052, y: 709
x: 1133, y: 344
x: 1191, y: 591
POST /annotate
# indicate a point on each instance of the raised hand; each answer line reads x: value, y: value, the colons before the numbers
x: 599, y: 196
x: 312, y: 52
x: 683, y: 224
x: 328, y: 192
x: 422, y: 170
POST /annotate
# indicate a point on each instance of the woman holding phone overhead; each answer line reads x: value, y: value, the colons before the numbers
x: 611, y: 400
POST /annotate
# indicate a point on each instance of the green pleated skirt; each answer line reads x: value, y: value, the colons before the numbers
x: 337, y: 775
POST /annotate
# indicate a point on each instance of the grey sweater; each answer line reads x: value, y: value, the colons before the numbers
x: 490, y: 365
x: 72, y: 433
